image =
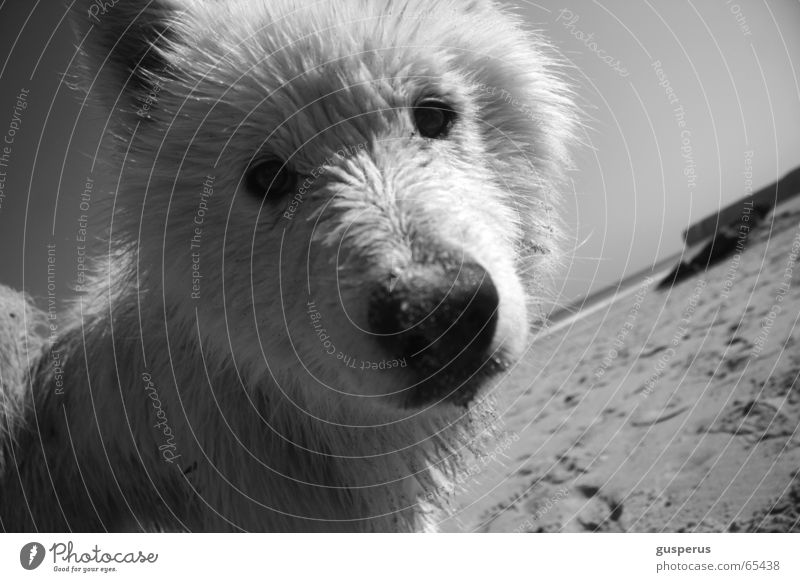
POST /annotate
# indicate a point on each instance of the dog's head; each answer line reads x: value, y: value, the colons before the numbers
x: 356, y: 196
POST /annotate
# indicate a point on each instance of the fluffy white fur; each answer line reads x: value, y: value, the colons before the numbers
x: 267, y: 431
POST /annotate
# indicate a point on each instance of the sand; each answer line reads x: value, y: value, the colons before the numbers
x: 663, y: 411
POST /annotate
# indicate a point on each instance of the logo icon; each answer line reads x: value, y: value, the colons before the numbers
x: 31, y: 555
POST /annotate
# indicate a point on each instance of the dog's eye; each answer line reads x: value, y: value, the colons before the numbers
x: 434, y: 118
x: 271, y: 179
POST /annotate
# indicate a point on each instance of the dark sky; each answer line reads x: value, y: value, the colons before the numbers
x: 49, y: 156
x: 733, y: 68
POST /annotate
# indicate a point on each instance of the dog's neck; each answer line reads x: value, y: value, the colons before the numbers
x: 149, y: 431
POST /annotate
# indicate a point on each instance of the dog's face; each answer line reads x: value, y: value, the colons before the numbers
x: 353, y: 196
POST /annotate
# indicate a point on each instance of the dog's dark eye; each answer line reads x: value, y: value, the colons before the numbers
x: 271, y: 179
x: 434, y: 118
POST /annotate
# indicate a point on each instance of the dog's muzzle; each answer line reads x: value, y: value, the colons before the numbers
x: 442, y: 319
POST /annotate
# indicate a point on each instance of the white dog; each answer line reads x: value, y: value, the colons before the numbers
x: 322, y: 229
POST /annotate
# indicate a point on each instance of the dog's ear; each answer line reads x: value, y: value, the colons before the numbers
x: 122, y: 46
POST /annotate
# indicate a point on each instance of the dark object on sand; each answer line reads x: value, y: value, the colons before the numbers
x: 728, y: 240
x: 765, y: 199
x: 728, y: 230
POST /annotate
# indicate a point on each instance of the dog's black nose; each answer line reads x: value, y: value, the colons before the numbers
x: 436, y: 315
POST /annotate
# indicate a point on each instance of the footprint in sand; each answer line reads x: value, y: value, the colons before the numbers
x: 601, y: 512
x: 547, y: 508
x: 756, y: 420
x: 651, y: 417
x: 782, y: 516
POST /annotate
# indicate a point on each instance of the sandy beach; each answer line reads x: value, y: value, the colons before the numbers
x: 663, y: 411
